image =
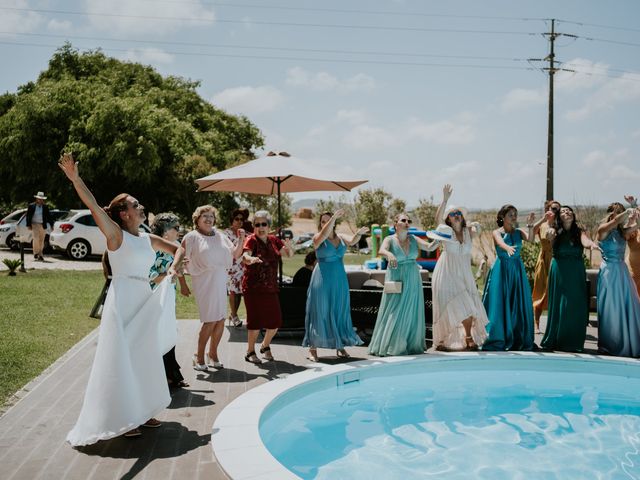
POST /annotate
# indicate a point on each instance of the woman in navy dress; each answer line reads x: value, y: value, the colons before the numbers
x: 328, y: 312
x: 618, y: 302
x: 507, y: 294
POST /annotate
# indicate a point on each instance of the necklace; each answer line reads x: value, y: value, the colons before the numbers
x: 210, y: 234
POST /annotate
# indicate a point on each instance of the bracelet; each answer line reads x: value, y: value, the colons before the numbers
x: 530, y: 225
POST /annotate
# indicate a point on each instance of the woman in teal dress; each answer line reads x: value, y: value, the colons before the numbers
x: 328, y: 312
x: 400, y: 328
x: 618, y: 301
x: 568, y: 308
x: 507, y: 294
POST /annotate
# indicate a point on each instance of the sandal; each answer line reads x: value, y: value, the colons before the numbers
x: 471, y: 345
x: 213, y: 363
x: 442, y: 348
x: 342, y: 353
x: 235, y: 321
x: 133, y: 433
x: 313, y: 354
x: 151, y: 423
x: 266, y: 353
x: 251, y: 357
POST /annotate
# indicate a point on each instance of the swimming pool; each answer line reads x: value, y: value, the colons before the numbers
x: 475, y: 416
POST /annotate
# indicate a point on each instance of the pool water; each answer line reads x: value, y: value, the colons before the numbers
x: 493, y: 418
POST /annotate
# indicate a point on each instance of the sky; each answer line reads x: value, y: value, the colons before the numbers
x: 409, y: 95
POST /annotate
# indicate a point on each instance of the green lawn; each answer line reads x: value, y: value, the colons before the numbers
x: 43, y: 313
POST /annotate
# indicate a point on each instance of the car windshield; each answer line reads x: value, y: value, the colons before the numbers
x: 68, y: 215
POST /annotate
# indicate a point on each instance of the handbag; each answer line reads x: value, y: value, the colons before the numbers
x: 392, y: 287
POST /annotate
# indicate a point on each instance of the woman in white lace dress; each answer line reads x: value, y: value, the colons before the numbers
x: 127, y: 385
x: 459, y: 318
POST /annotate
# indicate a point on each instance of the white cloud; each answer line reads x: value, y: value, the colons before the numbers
x: 587, y: 75
x: 520, y: 98
x: 443, y: 132
x: 621, y: 90
x: 148, y: 56
x: 249, y: 100
x: 19, y: 21
x: 59, y: 26
x: 370, y: 137
x: 622, y: 172
x: 594, y: 158
x: 323, y: 81
x: 354, y: 117
x: 131, y: 17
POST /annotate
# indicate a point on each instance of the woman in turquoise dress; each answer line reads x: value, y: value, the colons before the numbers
x: 618, y: 302
x: 400, y: 328
x: 507, y: 294
x: 328, y: 312
x: 568, y: 308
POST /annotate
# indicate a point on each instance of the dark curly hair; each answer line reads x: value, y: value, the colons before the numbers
x: 503, y: 212
x: 574, y: 231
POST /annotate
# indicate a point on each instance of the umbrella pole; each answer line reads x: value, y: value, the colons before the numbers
x: 278, y: 181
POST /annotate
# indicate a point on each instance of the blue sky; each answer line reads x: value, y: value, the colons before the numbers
x: 407, y: 94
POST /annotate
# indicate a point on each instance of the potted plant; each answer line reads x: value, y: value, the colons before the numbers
x: 13, y: 265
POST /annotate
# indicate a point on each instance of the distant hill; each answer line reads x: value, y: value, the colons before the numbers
x: 304, y: 203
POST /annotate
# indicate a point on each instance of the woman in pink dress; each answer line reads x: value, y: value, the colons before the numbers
x: 210, y: 254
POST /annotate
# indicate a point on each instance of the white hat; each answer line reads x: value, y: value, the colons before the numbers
x: 443, y: 232
x: 40, y: 195
x: 453, y: 208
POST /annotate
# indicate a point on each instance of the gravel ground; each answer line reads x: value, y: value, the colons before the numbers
x: 53, y: 261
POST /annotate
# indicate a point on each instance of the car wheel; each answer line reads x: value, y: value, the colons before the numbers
x: 78, y: 249
x: 12, y: 243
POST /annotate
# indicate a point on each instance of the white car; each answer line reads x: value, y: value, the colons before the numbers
x: 25, y: 236
x: 78, y: 235
x: 8, y: 229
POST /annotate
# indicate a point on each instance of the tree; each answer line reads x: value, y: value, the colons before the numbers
x: 426, y: 213
x: 371, y: 206
x: 130, y: 128
x: 396, y: 207
x: 270, y: 204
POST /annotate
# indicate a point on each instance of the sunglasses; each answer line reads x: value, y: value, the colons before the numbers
x: 455, y: 214
x: 176, y: 228
x: 406, y: 220
x: 260, y: 224
x: 238, y: 219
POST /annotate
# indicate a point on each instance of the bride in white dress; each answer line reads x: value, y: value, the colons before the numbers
x: 127, y: 385
x: 459, y: 318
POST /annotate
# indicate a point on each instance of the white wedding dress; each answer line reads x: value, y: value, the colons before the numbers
x: 127, y: 385
x: 455, y: 297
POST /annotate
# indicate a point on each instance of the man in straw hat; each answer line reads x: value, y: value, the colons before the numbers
x: 38, y: 217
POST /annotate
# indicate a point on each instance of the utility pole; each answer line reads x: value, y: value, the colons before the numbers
x: 551, y: 69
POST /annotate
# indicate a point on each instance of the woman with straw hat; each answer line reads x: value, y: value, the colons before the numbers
x: 459, y: 319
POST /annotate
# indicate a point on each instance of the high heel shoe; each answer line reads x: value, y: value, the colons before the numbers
x: 201, y: 367
x: 342, y: 353
x: 213, y: 363
x: 234, y: 321
x: 470, y: 344
x: 313, y: 354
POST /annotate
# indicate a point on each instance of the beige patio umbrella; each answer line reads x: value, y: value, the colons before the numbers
x: 275, y: 173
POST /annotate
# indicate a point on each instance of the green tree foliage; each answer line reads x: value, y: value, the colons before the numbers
x: 372, y: 206
x: 130, y: 128
x: 270, y: 204
x: 425, y: 213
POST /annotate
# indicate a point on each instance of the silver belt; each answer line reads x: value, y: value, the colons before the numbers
x: 133, y: 277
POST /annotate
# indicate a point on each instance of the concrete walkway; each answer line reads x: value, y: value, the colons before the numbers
x: 33, y: 431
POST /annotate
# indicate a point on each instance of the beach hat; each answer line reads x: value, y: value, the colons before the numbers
x: 40, y: 195
x: 443, y: 232
x: 453, y: 208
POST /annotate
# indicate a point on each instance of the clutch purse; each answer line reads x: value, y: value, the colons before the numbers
x: 392, y: 287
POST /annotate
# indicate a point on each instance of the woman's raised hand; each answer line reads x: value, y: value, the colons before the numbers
x: 531, y: 218
x: 447, y: 190
x: 362, y: 230
x: 69, y: 166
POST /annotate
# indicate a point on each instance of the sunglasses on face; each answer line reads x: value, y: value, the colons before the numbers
x: 176, y: 228
x: 238, y: 219
x: 455, y: 214
x: 406, y: 220
x: 260, y: 224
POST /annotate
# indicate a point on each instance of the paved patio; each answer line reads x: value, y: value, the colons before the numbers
x: 33, y: 431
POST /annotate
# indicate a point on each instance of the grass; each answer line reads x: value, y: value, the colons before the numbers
x: 45, y: 312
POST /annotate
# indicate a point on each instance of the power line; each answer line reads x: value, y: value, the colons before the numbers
x: 263, y: 47
x: 597, y: 25
x: 302, y: 59
x: 269, y: 23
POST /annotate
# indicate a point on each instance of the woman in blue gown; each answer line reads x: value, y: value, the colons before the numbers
x: 507, y: 294
x: 618, y: 302
x: 328, y: 313
x: 400, y: 328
